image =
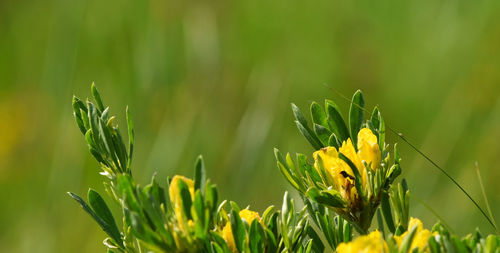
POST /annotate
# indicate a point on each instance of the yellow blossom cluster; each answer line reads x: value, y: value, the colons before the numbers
x: 339, y: 173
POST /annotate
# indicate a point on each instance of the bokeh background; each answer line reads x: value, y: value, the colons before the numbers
x: 217, y: 77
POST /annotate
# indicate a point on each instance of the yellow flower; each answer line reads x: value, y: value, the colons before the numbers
x: 421, y: 235
x: 368, y: 148
x: 227, y: 232
x: 372, y: 242
x: 339, y: 173
x: 176, y: 198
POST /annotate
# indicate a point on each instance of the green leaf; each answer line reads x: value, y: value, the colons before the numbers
x: 323, y: 134
x: 433, y: 245
x: 347, y: 232
x: 156, y: 192
x: 272, y: 244
x: 77, y: 112
x: 309, y: 135
x: 492, y: 243
x: 238, y: 229
x: 338, y: 223
x: 117, y: 142
x: 102, y: 210
x: 460, y: 246
x: 198, y: 214
x: 256, y: 237
x: 97, y: 97
x: 317, y: 244
x: 235, y: 206
x: 220, y: 241
x: 287, y: 171
x: 199, y: 174
x: 127, y: 189
x: 386, y: 211
x: 105, y: 136
x: 299, y: 116
x: 130, y: 126
x: 287, y: 206
x: 380, y: 222
x: 288, y: 176
x: 185, y: 197
x: 154, y: 214
x: 309, y: 246
x: 322, y: 171
x: 109, y: 229
x: 375, y: 119
x: 356, y: 114
x: 333, y: 141
x: 216, y: 248
x: 318, y: 115
x: 328, y: 198
x: 304, y: 166
x: 335, y: 120
x: 304, y: 128
x: 378, y: 122
x: 266, y: 215
x: 211, y: 196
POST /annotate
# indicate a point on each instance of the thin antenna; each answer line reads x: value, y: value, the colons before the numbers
x: 423, y: 155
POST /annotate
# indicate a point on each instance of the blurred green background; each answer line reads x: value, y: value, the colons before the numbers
x: 217, y: 78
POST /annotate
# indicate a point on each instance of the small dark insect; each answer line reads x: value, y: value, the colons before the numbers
x: 345, y: 175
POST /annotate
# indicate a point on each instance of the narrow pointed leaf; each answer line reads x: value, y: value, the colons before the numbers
x: 238, y: 229
x: 97, y: 97
x: 199, y: 174
x: 336, y: 122
x: 309, y: 135
x: 356, y: 114
x: 102, y: 210
x: 130, y: 126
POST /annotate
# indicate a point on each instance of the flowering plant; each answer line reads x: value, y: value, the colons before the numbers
x: 350, y: 181
x: 352, y: 168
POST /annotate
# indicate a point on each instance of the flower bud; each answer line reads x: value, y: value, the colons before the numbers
x: 176, y: 199
x: 227, y: 232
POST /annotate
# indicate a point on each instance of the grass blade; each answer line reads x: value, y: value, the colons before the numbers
x: 484, y: 196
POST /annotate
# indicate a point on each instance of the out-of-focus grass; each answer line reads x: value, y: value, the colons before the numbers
x: 217, y: 77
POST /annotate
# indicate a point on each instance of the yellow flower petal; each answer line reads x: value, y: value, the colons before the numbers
x: 368, y: 148
x: 329, y: 156
x: 348, y: 150
x: 371, y: 243
x: 249, y: 216
x: 227, y: 235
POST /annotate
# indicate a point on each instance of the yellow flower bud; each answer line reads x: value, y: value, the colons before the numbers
x: 371, y: 243
x: 176, y: 198
x: 421, y: 235
x: 368, y: 148
x: 227, y: 232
